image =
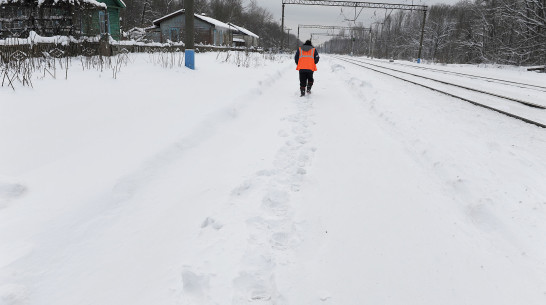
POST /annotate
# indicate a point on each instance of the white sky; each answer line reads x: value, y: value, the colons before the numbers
x: 307, y: 14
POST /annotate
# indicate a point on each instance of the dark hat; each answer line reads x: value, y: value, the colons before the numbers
x: 308, y: 43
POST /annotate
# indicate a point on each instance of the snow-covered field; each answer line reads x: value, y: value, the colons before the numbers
x: 223, y: 186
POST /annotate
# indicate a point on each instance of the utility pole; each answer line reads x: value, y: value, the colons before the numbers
x: 422, y: 35
x: 282, y: 27
x: 288, y: 38
x: 189, y: 39
x: 370, y: 46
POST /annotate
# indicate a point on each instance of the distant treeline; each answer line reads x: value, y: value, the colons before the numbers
x: 481, y: 31
x: 141, y: 13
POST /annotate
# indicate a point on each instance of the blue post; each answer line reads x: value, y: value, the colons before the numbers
x: 418, y: 60
x: 189, y: 41
x: 190, y: 59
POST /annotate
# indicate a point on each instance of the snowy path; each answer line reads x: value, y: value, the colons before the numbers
x: 408, y: 209
x: 368, y: 191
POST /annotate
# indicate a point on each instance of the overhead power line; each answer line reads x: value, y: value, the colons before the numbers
x: 330, y: 27
x: 358, y: 4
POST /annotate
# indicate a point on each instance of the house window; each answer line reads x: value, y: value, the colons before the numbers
x: 175, y: 34
x: 103, y: 23
x: 218, y: 37
x: 19, y: 24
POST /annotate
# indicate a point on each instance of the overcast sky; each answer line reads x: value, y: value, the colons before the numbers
x: 329, y: 15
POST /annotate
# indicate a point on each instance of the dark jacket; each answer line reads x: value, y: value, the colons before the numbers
x: 306, y: 47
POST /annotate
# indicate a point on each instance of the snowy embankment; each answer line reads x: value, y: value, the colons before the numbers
x: 223, y: 186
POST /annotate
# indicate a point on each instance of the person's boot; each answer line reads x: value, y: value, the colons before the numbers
x: 302, y: 91
x: 309, y: 85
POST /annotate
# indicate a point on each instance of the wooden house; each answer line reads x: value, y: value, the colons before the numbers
x: 75, y: 18
x: 112, y: 25
x: 243, y: 37
x: 208, y: 30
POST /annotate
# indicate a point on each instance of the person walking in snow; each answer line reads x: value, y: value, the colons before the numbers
x: 306, y: 58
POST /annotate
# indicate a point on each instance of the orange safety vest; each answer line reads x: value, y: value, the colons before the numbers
x: 307, y: 60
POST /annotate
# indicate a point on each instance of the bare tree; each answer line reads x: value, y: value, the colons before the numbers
x: 502, y: 31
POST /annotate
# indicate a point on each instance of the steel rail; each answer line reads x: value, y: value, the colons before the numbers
x: 460, y: 86
x: 491, y: 79
x: 449, y: 94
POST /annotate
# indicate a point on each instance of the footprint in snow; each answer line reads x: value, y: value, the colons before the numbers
x: 14, y: 294
x: 210, y: 222
x: 195, y: 287
x: 254, y: 288
x: 276, y: 200
x: 10, y: 190
x: 242, y: 189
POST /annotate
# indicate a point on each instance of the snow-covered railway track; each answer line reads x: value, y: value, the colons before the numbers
x: 472, y: 76
x: 513, y: 99
x: 528, y: 112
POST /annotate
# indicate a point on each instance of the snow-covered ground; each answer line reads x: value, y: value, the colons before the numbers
x: 223, y: 186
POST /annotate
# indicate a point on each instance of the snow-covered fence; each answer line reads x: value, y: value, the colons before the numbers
x: 21, y: 59
x: 75, y: 49
x: 35, y: 46
x: 96, y: 48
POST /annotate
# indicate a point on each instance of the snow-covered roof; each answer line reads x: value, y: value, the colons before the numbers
x: 168, y: 16
x: 118, y: 2
x: 210, y: 20
x: 243, y: 30
x: 40, y: 2
x: 238, y: 39
x: 153, y: 27
x: 121, y: 3
x: 213, y: 21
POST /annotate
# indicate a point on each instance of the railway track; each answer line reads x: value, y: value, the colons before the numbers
x: 528, y: 112
x: 488, y: 79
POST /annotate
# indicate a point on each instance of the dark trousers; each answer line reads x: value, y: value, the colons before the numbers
x: 306, y: 78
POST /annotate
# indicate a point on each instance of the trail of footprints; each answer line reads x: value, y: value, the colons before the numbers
x: 272, y: 230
